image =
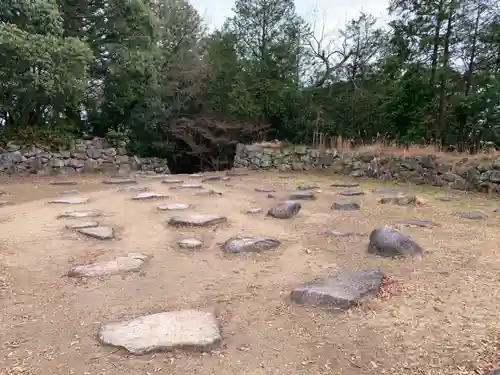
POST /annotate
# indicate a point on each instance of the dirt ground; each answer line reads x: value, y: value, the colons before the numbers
x: 440, y: 317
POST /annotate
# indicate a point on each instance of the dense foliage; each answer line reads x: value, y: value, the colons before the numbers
x: 147, y: 72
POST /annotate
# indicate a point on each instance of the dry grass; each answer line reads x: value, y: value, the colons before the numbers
x: 435, y: 316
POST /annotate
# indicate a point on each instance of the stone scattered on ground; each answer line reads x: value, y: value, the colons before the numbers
x: 63, y: 183
x: 196, y: 175
x: 345, y: 184
x: 345, y: 206
x: 70, y: 200
x: 446, y: 199
x: 173, y: 206
x: 336, y: 233
x: 148, y: 196
x: 135, y: 189
x: 197, y: 220
x: 79, y: 214
x: 100, y: 233
x: 83, y: 224
x: 70, y: 192
x: 265, y: 190
x: 473, y: 215
x: 208, y: 193
x: 254, y: 211
x: 403, y: 200
x: 306, y: 187
x: 415, y: 223
x: 284, y: 210
x: 211, y: 178
x: 119, y: 181
x: 351, y: 193
x: 186, y: 186
x: 225, y: 178
x: 190, y: 243
x: 5, y: 203
x: 389, y: 242
x: 131, y: 262
x: 270, y: 195
x: 245, y: 244
x: 340, y: 291
x: 172, y: 182
x: 303, y: 195
x: 164, y: 331
x: 386, y: 191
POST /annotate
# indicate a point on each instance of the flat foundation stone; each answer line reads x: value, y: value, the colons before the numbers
x: 148, y: 196
x: 246, y: 244
x: 164, y: 331
x: 197, y: 220
x: 352, y: 193
x: 190, y: 243
x: 80, y: 214
x: 211, y: 178
x: 119, y: 181
x: 173, y: 206
x: 254, y: 211
x: 135, y: 189
x: 473, y: 215
x: 302, y: 195
x: 83, y: 224
x: 171, y: 182
x: 345, y: 184
x: 415, y: 223
x: 186, y: 186
x: 100, y: 233
x: 63, y: 183
x: 131, y: 262
x: 70, y: 200
x: 339, y: 291
x: 265, y: 190
x: 345, y: 206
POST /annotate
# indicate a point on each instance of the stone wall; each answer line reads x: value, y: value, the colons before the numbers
x: 94, y: 155
x: 462, y: 174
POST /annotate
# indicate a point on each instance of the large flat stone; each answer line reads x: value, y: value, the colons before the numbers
x: 245, y: 244
x: 70, y: 200
x: 345, y: 184
x: 302, y: 195
x: 339, y: 291
x: 80, y: 214
x: 164, y: 331
x: 131, y: 262
x: 197, y: 220
x: 186, y: 186
x: 389, y: 242
x: 173, y: 206
x: 63, y: 183
x: 83, y: 224
x: 190, y: 243
x: 148, y: 196
x: 135, y: 189
x: 415, y: 223
x: 119, y: 181
x: 473, y: 215
x: 171, y: 182
x: 211, y: 178
x: 351, y: 193
x: 101, y: 233
x: 345, y: 206
x: 265, y: 190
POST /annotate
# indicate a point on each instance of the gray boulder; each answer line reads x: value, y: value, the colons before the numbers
x: 245, y: 244
x: 389, y: 242
x: 284, y: 210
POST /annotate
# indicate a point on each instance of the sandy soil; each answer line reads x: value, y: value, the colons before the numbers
x: 440, y: 317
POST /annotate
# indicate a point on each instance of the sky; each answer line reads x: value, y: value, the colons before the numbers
x: 335, y: 12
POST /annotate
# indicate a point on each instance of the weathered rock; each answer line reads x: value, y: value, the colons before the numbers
x: 172, y: 182
x: 134, y: 189
x: 173, y: 206
x: 186, y: 186
x: 306, y: 187
x: 190, y: 243
x: 63, y: 183
x: 245, y: 244
x: 119, y: 181
x: 196, y: 175
x: 164, y: 331
x: 83, y: 224
x: 336, y: 233
x: 211, y: 178
x: 198, y: 220
x: 339, y: 291
x: 70, y: 200
x: 446, y: 199
x: 284, y: 210
x: 100, y: 233
x: 148, y: 196
x: 80, y: 214
x: 345, y: 184
x: 131, y: 262
x: 302, y: 195
x: 415, y: 223
x: 345, y: 206
x: 265, y: 190
x: 389, y: 242
x: 351, y: 193
x: 254, y: 211
x: 402, y: 200
x: 208, y: 193
x: 473, y: 215
x: 70, y: 192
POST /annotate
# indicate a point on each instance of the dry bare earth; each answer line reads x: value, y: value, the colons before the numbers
x: 440, y: 317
